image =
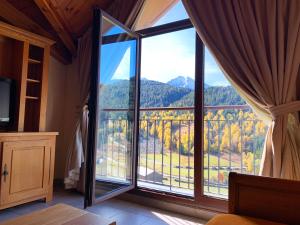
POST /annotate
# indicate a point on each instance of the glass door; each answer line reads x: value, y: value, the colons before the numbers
x: 112, y: 128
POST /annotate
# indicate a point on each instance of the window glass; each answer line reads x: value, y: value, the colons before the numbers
x: 166, y: 135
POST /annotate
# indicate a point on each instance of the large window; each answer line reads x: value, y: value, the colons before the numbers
x: 232, y: 136
x: 167, y: 120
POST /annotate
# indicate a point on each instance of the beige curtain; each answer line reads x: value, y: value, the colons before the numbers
x: 257, y: 45
x: 151, y: 12
x: 124, y: 11
x: 76, y: 150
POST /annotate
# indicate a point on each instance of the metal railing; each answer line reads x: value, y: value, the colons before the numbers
x: 233, y: 141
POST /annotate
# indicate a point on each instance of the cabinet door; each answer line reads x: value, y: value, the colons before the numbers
x: 25, y: 170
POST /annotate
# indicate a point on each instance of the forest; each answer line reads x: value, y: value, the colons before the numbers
x: 233, y: 139
x: 171, y: 94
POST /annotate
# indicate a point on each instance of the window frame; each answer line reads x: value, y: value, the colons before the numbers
x: 199, y: 200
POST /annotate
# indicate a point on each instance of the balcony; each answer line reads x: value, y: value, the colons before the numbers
x: 233, y: 141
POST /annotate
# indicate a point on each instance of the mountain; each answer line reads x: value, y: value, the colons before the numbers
x: 158, y: 94
x: 184, y: 82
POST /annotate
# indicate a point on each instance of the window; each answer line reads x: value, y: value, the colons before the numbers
x: 232, y: 135
x: 166, y: 135
x: 188, y: 130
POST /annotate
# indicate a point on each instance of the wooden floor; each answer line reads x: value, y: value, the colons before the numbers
x: 122, y: 212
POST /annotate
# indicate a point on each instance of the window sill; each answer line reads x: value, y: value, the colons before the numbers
x: 212, y: 205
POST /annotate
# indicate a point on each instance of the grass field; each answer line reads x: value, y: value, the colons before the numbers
x: 180, y: 167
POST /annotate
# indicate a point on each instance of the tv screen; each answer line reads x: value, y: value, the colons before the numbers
x: 6, y: 96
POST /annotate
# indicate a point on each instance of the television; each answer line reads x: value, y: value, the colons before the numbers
x: 7, y: 94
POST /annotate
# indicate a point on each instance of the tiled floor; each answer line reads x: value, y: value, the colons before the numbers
x: 124, y: 213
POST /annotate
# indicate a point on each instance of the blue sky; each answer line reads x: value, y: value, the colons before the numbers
x: 167, y: 56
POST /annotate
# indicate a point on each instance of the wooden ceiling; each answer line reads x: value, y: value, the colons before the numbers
x: 63, y: 21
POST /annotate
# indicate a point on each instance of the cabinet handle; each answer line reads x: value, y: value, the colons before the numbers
x: 5, y: 172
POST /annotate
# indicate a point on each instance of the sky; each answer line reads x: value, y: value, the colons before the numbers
x: 165, y: 57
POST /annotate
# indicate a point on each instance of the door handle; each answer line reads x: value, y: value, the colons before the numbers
x: 5, y: 172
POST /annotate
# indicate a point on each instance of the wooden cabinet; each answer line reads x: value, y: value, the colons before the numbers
x: 24, y: 57
x: 27, y: 167
x: 26, y: 159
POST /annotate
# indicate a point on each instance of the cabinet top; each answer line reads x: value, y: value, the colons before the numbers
x: 14, y: 134
x: 23, y: 35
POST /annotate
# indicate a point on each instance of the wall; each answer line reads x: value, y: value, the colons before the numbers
x: 71, y: 114
x: 62, y: 109
x: 55, y: 110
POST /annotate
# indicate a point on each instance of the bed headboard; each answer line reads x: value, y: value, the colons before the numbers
x: 268, y: 198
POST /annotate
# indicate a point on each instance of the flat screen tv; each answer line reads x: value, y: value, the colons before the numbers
x: 6, y: 102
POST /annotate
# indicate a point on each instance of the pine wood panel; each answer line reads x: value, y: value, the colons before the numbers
x: 19, y: 136
x: 54, y: 19
x: 29, y: 159
x: 77, y: 15
x: 90, y: 219
x: 61, y: 20
x: 59, y: 214
x: 26, y: 15
x: 266, y: 198
x: 23, y: 35
x: 27, y: 174
x: 44, y: 89
x: 25, y: 57
x: 56, y: 215
x: 22, y: 87
x: 25, y: 178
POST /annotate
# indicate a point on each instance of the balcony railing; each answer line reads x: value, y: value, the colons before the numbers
x: 233, y: 141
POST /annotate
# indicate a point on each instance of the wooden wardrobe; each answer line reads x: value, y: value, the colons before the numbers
x: 27, y: 152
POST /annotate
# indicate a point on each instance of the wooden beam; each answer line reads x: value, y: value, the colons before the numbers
x: 19, y: 19
x: 53, y: 18
x: 24, y: 35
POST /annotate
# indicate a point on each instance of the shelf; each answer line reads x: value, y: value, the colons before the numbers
x: 33, y: 80
x: 34, y: 61
x: 32, y: 98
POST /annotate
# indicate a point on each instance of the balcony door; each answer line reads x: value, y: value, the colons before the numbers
x: 113, y: 115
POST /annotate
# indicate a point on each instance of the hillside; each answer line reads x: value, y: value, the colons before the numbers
x: 153, y: 94
x: 158, y: 94
x: 219, y: 95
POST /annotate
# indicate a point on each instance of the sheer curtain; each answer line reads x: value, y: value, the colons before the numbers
x: 124, y: 11
x: 257, y: 45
